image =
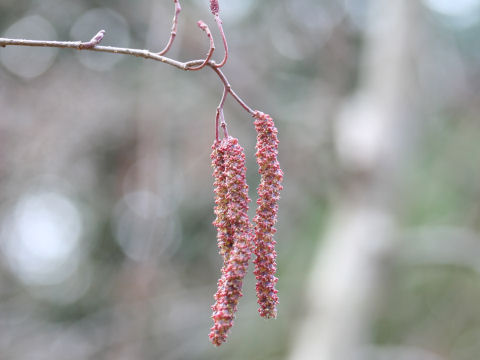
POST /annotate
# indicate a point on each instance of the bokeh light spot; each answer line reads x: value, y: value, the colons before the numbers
x: 28, y: 62
x: 40, y: 238
x: 461, y: 13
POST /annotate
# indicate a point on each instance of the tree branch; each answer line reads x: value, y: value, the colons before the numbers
x: 92, y: 45
x: 79, y: 45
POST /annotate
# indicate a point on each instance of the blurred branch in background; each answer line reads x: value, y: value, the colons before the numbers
x: 444, y: 246
x: 397, y: 353
x: 372, y: 144
x: 144, y: 232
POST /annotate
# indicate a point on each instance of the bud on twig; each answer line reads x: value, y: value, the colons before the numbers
x: 94, y: 41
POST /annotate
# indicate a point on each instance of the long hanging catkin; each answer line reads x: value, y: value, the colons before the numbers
x: 224, y: 230
x: 266, y: 214
x: 234, y: 234
x: 225, y: 235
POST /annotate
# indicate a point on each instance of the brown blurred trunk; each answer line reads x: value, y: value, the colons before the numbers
x: 347, y: 276
x: 137, y: 280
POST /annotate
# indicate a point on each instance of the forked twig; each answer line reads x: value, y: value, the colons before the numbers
x: 193, y: 65
x: 211, y: 49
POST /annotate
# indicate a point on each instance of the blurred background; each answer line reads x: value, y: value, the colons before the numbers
x: 106, y: 245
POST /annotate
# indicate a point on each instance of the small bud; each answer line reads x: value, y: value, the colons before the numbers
x: 98, y: 37
x: 214, y: 7
x: 94, y: 41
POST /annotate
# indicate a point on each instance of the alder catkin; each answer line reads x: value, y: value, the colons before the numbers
x: 266, y: 214
x: 232, y: 195
x: 214, y: 7
x: 225, y: 235
x: 224, y: 230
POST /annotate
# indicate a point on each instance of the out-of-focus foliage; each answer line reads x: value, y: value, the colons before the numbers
x: 107, y: 247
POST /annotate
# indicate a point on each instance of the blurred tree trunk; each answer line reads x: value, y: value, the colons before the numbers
x: 138, y: 280
x: 372, y: 137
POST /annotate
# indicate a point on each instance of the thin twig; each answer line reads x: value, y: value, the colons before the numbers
x: 224, y: 79
x: 146, y: 54
x: 219, y: 118
x: 223, y: 124
x: 173, y: 33
x: 211, y: 49
x: 224, y: 39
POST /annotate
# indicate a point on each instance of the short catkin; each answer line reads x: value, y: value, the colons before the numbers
x: 214, y: 7
x: 266, y: 214
x: 233, y: 225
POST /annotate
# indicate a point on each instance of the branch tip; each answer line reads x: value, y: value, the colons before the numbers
x: 224, y: 39
x: 173, y: 32
x: 211, y: 49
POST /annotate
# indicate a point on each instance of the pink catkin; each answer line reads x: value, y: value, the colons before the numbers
x: 225, y: 235
x: 234, y: 233
x: 266, y: 214
x: 214, y: 7
x: 224, y: 230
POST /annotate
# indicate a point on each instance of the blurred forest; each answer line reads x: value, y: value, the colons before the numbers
x: 107, y: 250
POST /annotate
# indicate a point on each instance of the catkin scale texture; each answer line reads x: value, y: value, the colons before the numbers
x: 266, y: 214
x: 234, y: 232
x: 214, y: 7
